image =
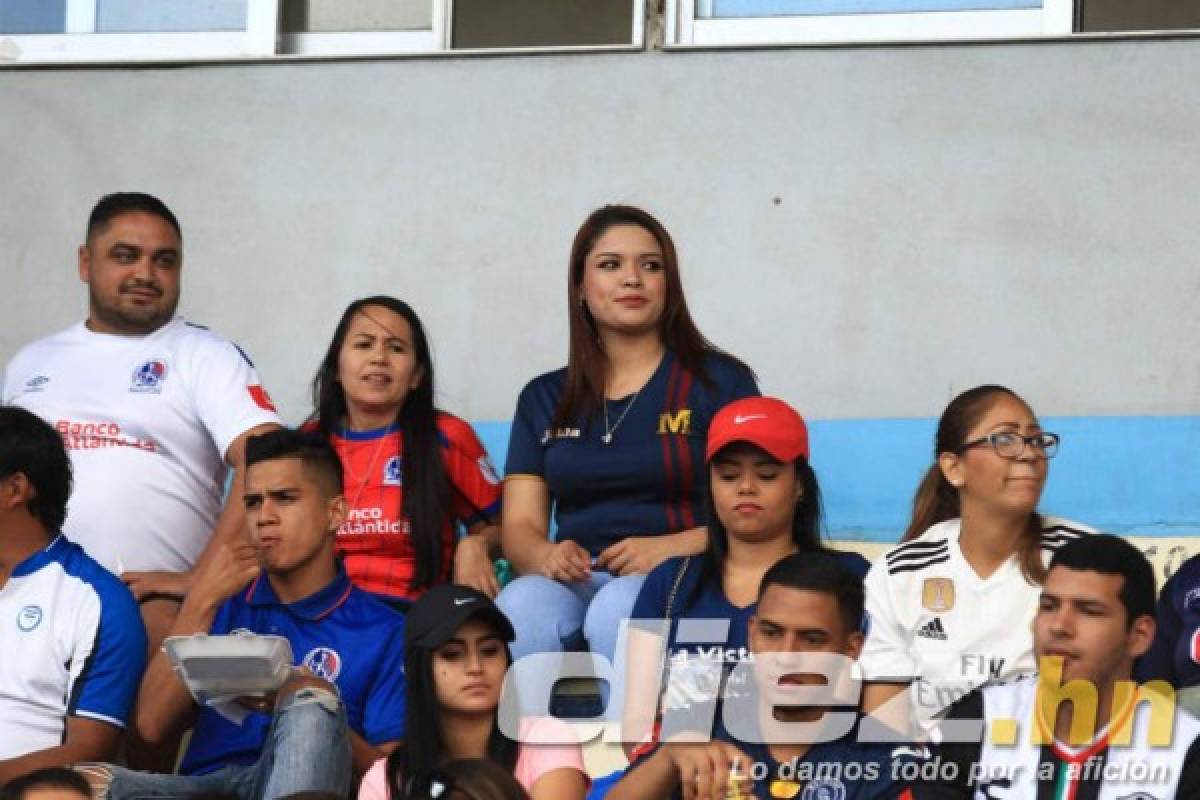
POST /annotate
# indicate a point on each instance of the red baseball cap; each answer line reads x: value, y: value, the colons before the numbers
x: 765, y: 422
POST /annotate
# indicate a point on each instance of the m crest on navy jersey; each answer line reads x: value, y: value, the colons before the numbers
x: 324, y: 663
x: 675, y: 422
x: 393, y: 472
x: 824, y: 789
x: 149, y: 377
x: 29, y: 618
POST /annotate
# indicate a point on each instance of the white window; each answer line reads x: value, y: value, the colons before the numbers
x: 135, y: 30
x: 734, y: 22
x: 55, y: 31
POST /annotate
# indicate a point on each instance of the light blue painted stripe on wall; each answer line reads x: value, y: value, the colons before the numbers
x: 1130, y: 475
x: 778, y: 8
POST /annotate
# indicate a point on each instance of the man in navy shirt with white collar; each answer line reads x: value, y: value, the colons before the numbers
x: 808, y: 604
x: 286, y: 582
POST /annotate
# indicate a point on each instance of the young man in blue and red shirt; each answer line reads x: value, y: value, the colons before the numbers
x: 344, y: 708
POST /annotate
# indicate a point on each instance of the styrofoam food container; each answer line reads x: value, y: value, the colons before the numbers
x: 230, y: 664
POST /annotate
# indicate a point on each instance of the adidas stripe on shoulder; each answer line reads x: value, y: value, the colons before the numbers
x: 1057, y: 532
x: 917, y: 555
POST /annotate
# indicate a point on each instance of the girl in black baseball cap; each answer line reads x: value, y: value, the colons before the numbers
x: 457, y: 654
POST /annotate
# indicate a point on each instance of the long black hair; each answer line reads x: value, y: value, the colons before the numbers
x: 424, y: 747
x: 806, y: 525
x: 427, y: 494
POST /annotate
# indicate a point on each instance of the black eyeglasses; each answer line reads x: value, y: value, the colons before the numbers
x: 1009, y: 444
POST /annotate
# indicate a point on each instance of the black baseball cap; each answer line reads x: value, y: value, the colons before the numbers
x: 437, y: 614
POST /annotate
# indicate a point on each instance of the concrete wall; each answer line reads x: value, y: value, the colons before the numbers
x: 873, y: 229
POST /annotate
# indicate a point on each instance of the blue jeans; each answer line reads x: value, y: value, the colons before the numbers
x: 549, y: 616
x: 307, y: 750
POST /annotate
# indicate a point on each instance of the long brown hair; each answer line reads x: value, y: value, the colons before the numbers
x: 937, y: 501
x: 587, y: 363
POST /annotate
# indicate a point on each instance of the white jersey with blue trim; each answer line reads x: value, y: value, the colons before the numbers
x: 147, y: 421
x: 935, y: 622
x: 72, y: 644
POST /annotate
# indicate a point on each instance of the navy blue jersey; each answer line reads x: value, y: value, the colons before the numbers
x: 694, y: 600
x: 341, y: 634
x: 839, y: 770
x: 1175, y: 655
x: 702, y: 655
x: 650, y: 479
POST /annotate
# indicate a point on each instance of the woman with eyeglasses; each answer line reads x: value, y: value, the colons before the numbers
x: 951, y: 607
x: 456, y: 657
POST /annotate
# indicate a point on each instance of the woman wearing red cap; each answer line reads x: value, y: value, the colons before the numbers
x: 764, y: 504
x: 613, y: 443
x: 456, y: 657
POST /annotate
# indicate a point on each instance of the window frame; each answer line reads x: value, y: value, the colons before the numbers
x: 261, y: 39
x: 81, y: 42
x: 684, y: 28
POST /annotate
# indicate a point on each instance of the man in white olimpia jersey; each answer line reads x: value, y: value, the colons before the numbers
x: 1109, y: 740
x: 153, y: 409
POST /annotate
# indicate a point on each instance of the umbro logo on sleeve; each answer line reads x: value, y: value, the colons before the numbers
x: 933, y: 630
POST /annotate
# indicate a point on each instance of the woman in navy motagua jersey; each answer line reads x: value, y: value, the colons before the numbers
x: 613, y: 443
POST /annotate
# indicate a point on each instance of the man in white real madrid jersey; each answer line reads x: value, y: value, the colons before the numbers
x: 1081, y: 729
x: 72, y: 647
x: 153, y: 409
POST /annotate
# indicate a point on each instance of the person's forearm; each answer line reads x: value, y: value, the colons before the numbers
x: 163, y: 700
x: 691, y: 542
x: 490, y: 533
x: 64, y: 755
x: 653, y: 779
x: 231, y: 524
x: 363, y: 755
x: 525, y: 548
